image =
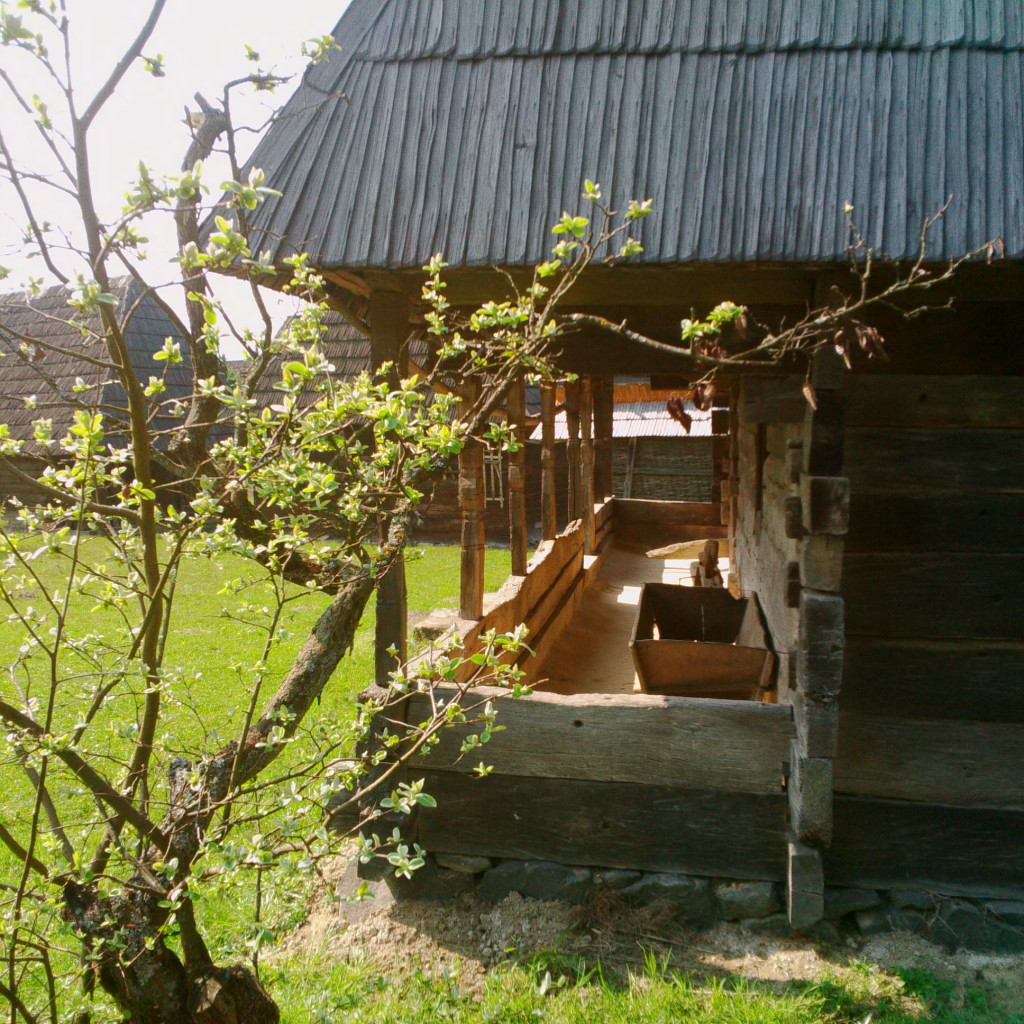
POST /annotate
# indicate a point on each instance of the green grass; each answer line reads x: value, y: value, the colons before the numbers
x: 555, y: 990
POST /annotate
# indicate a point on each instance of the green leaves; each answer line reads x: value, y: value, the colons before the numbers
x: 12, y: 29
x: 155, y: 65
x: 88, y: 296
x: 319, y: 48
x: 569, y: 225
x: 637, y: 210
x: 170, y: 353
x: 250, y: 194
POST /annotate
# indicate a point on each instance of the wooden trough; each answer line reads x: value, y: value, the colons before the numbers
x: 700, y: 642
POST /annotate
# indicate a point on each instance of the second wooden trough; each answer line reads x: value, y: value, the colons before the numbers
x: 701, y: 642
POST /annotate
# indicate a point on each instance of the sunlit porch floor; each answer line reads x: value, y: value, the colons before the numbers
x: 592, y: 654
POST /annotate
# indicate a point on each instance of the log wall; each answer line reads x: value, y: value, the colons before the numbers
x: 932, y: 707
x: 900, y: 556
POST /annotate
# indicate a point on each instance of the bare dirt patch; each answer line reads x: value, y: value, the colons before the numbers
x: 413, y: 935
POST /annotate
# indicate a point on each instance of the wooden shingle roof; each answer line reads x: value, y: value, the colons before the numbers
x: 39, y: 383
x: 467, y: 127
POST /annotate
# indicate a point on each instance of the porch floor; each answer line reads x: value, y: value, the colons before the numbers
x: 592, y: 654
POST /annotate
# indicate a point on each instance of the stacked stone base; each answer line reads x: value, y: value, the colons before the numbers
x: 989, y: 926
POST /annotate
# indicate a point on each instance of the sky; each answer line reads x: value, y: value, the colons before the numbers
x: 202, y: 43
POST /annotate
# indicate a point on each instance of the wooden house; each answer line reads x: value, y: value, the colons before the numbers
x: 48, y: 369
x: 881, y: 532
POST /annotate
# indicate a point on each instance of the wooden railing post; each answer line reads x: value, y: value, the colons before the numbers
x: 586, y: 485
x: 572, y: 424
x: 389, y: 331
x: 472, y: 502
x: 548, y: 500
x: 517, y: 479
x: 604, y: 437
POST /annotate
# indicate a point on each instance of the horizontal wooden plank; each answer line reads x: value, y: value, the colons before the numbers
x: 931, y: 522
x: 937, y: 461
x: 958, y: 679
x: 973, y: 338
x: 772, y: 400
x: 886, y: 844
x: 608, y: 824
x: 603, y: 513
x: 935, y: 595
x: 883, y: 400
x: 519, y: 599
x: 730, y: 745
x: 967, y: 764
x: 630, y: 511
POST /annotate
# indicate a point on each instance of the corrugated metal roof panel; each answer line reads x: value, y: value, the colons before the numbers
x: 466, y: 128
x: 642, y: 419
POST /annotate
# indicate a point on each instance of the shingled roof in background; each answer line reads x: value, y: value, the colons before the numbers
x: 28, y: 369
x: 465, y: 128
x: 345, y: 348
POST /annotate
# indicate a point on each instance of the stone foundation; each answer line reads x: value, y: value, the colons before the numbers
x: 988, y: 926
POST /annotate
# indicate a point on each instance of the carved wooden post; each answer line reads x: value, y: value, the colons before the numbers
x: 517, y: 479
x: 586, y: 485
x: 472, y: 502
x: 572, y: 424
x: 548, y: 502
x: 604, y: 437
x: 389, y: 330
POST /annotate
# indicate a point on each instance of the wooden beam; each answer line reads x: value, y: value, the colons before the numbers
x: 887, y: 844
x: 772, y: 399
x: 963, y: 763
x: 935, y: 595
x: 586, y: 484
x: 604, y: 439
x: 977, y: 680
x: 615, y: 824
x: 517, y: 527
x: 739, y: 746
x: 548, y: 502
x: 928, y: 402
x: 935, y: 522
x: 389, y: 330
x: 942, y: 461
x: 472, y: 503
x: 572, y: 424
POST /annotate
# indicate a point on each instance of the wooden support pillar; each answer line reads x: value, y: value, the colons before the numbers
x: 820, y: 515
x: 517, y: 531
x: 548, y: 501
x: 604, y: 437
x: 572, y: 425
x: 389, y: 331
x: 586, y: 484
x: 472, y: 502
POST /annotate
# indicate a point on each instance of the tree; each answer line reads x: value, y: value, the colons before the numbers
x: 129, y: 828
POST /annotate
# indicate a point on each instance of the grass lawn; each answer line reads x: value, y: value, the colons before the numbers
x: 553, y: 989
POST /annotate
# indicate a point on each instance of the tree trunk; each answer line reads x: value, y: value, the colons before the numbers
x: 146, y: 979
